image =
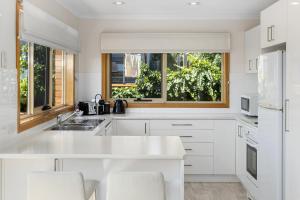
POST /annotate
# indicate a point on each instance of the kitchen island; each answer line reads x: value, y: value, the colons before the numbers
x: 95, y: 157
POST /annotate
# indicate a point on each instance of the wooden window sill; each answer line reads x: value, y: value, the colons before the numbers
x: 27, y: 122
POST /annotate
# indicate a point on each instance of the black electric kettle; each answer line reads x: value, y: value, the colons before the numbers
x: 119, y: 106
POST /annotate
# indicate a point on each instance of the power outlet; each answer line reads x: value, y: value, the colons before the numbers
x: 3, y: 59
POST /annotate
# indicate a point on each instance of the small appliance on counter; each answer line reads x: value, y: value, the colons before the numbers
x: 119, y: 106
x: 87, y: 107
x: 249, y: 104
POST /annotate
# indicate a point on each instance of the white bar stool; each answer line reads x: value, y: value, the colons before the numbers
x: 59, y: 186
x: 135, y: 186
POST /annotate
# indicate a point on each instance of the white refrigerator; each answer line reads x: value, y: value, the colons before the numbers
x: 270, y: 125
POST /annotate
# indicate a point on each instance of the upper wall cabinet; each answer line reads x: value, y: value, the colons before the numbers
x: 252, y: 49
x: 274, y: 24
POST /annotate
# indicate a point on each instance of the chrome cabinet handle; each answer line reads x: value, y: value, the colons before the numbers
x: 268, y: 34
x: 188, y: 149
x: 286, y: 108
x: 272, y: 32
x: 55, y: 164
x: 256, y: 63
x: 145, y: 128
x: 249, y: 65
x: 188, y: 165
x: 182, y: 124
x: 186, y: 136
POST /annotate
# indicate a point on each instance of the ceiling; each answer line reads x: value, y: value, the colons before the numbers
x: 166, y: 9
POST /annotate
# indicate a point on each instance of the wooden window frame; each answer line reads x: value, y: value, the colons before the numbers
x: 168, y: 104
x: 29, y: 121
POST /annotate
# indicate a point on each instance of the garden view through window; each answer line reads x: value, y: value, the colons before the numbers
x: 45, y: 74
x: 172, y: 77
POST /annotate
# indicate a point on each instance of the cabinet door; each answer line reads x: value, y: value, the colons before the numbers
x: 292, y: 127
x: 252, y: 49
x: 241, y: 153
x: 132, y: 127
x: 273, y: 24
x: 224, y: 154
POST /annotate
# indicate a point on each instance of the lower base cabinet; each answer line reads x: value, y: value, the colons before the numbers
x: 209, y: 144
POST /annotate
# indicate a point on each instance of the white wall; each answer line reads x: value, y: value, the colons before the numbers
x: 90, y: 64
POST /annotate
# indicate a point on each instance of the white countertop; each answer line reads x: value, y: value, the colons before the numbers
x: 49, y: 145
x: 166, y: 116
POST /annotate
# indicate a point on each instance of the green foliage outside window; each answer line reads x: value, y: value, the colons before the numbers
x: 199, y: 80
x: 23, y: 77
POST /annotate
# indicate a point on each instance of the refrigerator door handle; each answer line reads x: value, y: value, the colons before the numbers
x: 286, y: 114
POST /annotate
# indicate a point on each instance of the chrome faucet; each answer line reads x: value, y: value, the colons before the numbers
x: 96, y: 103
x: 63, y: 117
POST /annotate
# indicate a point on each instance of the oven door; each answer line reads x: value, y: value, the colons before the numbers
x: 251, y: 160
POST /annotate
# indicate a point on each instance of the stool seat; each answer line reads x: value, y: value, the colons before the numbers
x: 135, y: 186
x: 59, y: 186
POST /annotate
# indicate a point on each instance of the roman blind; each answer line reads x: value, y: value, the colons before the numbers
x: 164, y: 42
x: 42, y: 28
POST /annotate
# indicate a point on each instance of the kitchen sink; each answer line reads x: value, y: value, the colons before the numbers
x: 77, y: 124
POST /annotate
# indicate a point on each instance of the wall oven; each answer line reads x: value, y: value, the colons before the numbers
x: 251, y: 159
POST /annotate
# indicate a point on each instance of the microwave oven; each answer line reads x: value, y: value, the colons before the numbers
x: 249, y: 105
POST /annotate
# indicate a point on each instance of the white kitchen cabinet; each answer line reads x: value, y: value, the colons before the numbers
x: 209, y: 144
x: 274, y: 24
x: 132, y: 127
x: 224, y: 147
x: 14, y: 175
x: 292, y: 125
x: 252, y: 49
x: 241, y: 153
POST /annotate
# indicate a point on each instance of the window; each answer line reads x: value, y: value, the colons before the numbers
x: 46, y: 79
x: 167, y: 79
x: 136, y: 75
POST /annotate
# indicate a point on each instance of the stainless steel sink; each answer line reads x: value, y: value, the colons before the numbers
x: 72, y: 128
x: 77, y: 124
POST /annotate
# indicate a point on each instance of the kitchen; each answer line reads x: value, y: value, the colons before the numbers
x: 203, y: 141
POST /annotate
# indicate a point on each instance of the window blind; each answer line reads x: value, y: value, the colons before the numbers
x: 40, y: 27
x: 164, y: 42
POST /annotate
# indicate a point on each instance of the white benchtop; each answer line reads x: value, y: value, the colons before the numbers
x: 49, y: 145
x: 173, y: 116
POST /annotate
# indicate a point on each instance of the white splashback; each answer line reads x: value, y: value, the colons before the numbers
x: 8, y: 100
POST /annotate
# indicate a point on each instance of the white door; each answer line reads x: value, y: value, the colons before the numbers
x: 269, y: 154
x: 132, y: 127
x: 270, y: 80
x: 273, y: 24
x: 292, y: 135
x: 241, y: 153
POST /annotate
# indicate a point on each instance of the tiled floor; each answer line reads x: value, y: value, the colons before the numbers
x: 214, y: 191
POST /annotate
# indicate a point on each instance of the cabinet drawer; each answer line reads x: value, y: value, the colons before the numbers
x: 181, y: 124
x: 198, y: 165
x: 187, y: 135
x: 202, y: 149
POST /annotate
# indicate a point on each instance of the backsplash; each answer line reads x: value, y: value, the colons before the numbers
x: 8, y: 100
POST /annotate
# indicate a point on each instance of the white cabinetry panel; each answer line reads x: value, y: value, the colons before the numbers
x: 203, y: 149
x: 132, y: 127
x: 252, y: 49
x: 273, y: 24
x: 199, y: 165
x: 224, y: 154
x: 292, y: 126
x: 182, y: 124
